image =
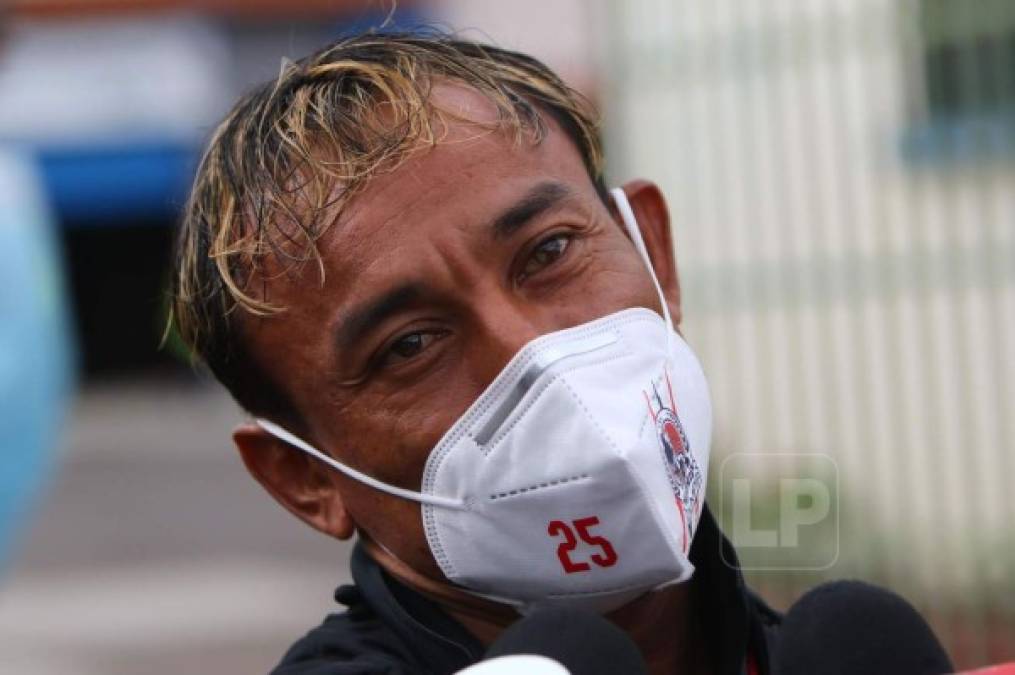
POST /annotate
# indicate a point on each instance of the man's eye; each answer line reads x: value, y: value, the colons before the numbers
x: 548, y: 252
x: 408, y: 346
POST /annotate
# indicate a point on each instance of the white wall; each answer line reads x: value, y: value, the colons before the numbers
x: 844, y: 300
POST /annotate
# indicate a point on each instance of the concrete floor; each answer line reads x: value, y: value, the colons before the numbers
x: 154, y: 552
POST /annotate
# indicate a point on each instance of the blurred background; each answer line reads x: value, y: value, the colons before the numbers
x: 840, y: 177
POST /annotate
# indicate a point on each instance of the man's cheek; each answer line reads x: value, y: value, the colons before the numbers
x: 420, y: 429
x: 615, y: 289
x: 397, y: 443
x: 617, y: 272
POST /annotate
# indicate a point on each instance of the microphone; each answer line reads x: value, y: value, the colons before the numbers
x: 999, y: 669
x: 516, y: 664
x: 582, y: 642
x: 848, y: 627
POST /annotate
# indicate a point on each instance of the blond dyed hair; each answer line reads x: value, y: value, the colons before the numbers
x: 291, y: 154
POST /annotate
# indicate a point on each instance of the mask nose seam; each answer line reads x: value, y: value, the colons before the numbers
x: 502, y: 433
x: 547, y: 360
x: 463, y: 428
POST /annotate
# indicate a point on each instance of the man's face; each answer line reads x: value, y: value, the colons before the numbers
x: 435, y: 276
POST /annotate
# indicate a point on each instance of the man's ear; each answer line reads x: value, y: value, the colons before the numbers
x: 653, y: 218
x: 296, y: 481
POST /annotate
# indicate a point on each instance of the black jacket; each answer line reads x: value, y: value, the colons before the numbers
x: 388, y: 628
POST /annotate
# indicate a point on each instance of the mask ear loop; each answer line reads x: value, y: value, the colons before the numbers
x: 631, y: 224
x: 297, y: 442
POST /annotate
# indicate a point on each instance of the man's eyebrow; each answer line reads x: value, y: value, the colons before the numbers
x: 540, y: 198
x: 362, y: 319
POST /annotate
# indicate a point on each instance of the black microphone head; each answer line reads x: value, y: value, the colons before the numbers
x: 851, y: 627
x: 583, y: 642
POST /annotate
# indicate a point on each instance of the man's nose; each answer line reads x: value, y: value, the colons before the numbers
x: 502, y: 331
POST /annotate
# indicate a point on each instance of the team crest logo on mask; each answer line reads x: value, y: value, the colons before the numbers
x: 681, y: 466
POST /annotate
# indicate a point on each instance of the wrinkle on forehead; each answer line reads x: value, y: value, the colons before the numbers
x: 469, y: 159
x: 466, y: 119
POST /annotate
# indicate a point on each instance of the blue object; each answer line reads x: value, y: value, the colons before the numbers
x: 961, y: 139
x: 403, y: 20
x: 110, y: 182
x: 35, y: 351
x: 106, y: 184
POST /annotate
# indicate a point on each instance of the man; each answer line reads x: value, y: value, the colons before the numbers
x: 402, y: 260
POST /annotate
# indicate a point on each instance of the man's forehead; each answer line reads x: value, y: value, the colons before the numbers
x: 474, y: 171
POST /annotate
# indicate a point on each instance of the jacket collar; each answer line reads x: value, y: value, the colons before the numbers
x: 721, y: 597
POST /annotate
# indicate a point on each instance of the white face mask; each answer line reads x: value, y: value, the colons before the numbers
x: 577, y: 478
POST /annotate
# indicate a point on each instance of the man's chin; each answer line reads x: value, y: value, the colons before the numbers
x: 657, y: 602
x: 439, y: 589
